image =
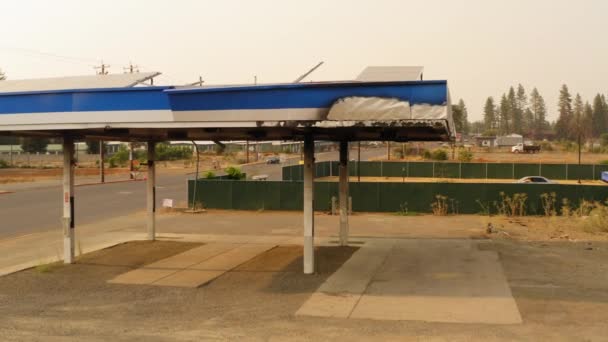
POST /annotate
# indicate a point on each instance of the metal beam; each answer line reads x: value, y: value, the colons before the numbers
x: 309, y: 218
x: 68, y: 200
x: 151, y: 191
x: 343, y: 193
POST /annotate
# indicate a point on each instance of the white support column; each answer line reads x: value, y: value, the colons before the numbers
x: 309, y: 214
x: 68, y: 200
x: 151, y: 191
x: 343, y: 193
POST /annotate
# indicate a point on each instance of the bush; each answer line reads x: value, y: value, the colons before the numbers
x: 209, y: 175
x: 465, y: 156
x: 398, y: 152
x: 598, y: 219
x: 546, y: 146
x: 34, y: 145
x: 426, y: 155
x: 439, y: 154
x: 3, y: 164
x: 569, y: 146
x: 121, y: 157
x: 604, y: 140
x: 234, y: 173
x: 165, y: 151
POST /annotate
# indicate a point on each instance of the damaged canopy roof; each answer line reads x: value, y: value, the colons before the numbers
x: 411, y: 110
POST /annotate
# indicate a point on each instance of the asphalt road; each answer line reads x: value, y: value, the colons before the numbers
x: 31, y: 208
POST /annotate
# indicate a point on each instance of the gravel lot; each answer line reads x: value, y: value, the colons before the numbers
x: 561, y: 289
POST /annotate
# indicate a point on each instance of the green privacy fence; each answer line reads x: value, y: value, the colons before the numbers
x: 465, y: 198
x: 452, y: 170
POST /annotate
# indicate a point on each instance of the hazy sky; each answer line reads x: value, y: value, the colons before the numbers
x: 480, y: 46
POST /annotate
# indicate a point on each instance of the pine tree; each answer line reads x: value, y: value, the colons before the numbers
x: 598, y: 119
x: 522, y: 107
x: 516, y: 114
x: 505, y: 115
x: 465, y: 117
x: 539, y: 112
x: 564, y: 121
x: 587, y: 125
x: 528, y: 125
x: 457, y: 117
x: 519, y: 108
x: 576, y: 126
x: 489, y: 115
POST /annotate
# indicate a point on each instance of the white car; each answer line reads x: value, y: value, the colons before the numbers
x: 535, y: 180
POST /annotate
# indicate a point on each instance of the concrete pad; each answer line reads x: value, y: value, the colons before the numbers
x: 232, y: 258
x: 142, y: 276
x: 357, y: 272
x: 485, y: 310
x: 440, y: 281
x: 193, y: 256
x: 423, y: 280
x: 188, y: 278
x: 329, y: 305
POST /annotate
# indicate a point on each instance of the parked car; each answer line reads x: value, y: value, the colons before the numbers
x: 535, y: 180
x: 525, y: 148
x: 273, y: 160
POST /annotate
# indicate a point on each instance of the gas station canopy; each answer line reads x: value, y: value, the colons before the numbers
x: 353, y: 110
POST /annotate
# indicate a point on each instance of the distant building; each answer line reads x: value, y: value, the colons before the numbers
x: 485, y: 141
x: 509, y: 140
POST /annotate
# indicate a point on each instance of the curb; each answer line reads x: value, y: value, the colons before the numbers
x: 111, y: 182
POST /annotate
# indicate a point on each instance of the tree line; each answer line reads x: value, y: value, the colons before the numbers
x: 526, y: 114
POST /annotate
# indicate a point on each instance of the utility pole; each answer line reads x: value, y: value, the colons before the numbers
x: 102, y: 69
x: 131, y: 69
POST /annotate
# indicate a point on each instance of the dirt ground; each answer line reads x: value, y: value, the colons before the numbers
x: 504, y: 156
x: 560, y: 285
x: 445, y: 180
x: 30, y: 175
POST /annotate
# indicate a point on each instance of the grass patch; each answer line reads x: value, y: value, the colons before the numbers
x: 408, y: 213
x: 47, y: 268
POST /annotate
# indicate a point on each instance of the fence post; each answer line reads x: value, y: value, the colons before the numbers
x: 381, y: 169
x: 540, y: 169
x: 486, y: 172
x: 460, y: 170
x: 407, y: 167
x: 433, y: 169
x: 567, y: 172
x: 593, y: 172
x: 513, y: 171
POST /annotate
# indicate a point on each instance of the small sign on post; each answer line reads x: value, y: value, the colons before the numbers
x: 167, y: 203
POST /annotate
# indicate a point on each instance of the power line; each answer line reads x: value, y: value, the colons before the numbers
x: 33, y: 52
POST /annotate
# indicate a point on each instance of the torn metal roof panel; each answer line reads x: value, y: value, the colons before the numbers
x: 76, y: 82
x: 391, y: 73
